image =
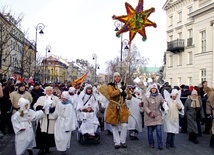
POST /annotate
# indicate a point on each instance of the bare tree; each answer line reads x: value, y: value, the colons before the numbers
x: 130, y: 67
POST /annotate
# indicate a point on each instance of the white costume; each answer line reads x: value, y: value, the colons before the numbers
x: 171, y: 118
x: 65, y: 123
x: 135, y: 119
x: 21, y: 120
x: 73, y: 98
x: 89, y: 119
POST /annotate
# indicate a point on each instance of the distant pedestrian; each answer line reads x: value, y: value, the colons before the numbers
x: 194, y: 112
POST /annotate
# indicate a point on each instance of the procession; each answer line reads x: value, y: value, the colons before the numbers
x: 54, y: 104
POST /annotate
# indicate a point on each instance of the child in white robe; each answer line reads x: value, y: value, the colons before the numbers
x: 21, y: 121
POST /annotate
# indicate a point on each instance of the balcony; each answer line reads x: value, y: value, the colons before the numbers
x: 189, y: 42
x: 176, y: 46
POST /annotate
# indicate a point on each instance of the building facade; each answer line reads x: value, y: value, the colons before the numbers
x: 190, y: 42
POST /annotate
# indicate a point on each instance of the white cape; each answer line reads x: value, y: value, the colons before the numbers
x: 25, y: 139
x: 65, y: 123
x: 135, y: 119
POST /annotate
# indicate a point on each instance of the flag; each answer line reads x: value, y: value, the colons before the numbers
x: 79, y: 80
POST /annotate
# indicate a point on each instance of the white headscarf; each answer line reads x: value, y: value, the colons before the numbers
x: 22, y: 103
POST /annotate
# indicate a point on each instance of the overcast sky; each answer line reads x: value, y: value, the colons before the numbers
x: 75, y: 29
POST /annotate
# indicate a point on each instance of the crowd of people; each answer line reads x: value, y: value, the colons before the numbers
x: 44, y: 116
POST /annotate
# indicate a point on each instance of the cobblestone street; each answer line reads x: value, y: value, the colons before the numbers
x: 137, y: 147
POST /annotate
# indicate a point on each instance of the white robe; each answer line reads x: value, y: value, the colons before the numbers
x: 135, y: 119
x: 172, y: 126
x: 89, y: 120
x: 65, y: 123
x: 25, y: 139
x: 44, y: 101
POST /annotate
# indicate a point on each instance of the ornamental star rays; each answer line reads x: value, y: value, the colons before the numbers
x: 135, y: 21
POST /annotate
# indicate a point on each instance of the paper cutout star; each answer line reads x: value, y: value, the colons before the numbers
x: 135, y: 21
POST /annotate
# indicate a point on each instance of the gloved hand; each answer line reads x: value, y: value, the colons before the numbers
x: 123, y: 94
x: 123, y: 87
x: 178, y: 106
x: 23, y: 129
x: 151, y: 114
x: 52, y: 109
x: 67, y: 131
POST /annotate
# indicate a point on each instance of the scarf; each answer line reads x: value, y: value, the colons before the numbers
x: 154, y: 95
x: 195, y: 102
x: 66, y: 102
x: 173, y: 111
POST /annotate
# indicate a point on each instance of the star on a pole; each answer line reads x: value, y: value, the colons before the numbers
x: 135, y: 21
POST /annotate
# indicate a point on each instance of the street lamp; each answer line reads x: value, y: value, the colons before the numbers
x: 39, y: 27
x: 96, y: 66
x: 48, y: 50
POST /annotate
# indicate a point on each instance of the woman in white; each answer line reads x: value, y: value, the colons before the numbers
x: 171, y: 117
x: 66, y: 122
x: 88, y: 107
x: 24, y: 134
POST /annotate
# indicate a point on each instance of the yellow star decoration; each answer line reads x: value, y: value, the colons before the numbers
x: 135, y: 21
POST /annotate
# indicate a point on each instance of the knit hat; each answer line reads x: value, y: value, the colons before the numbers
x: 21, y: 84
x: 174, y: 92
x: 22, y: 102
x: 194, y: 92
x: 71, y: 90
x: 65, y: 95
x: 154, y: 86
x: 116, y: 74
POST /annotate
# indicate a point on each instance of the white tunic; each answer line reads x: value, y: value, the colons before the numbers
x: 65, y: 123
x: 25, y: 139
x: 169, y: 125
x: 135, y: 119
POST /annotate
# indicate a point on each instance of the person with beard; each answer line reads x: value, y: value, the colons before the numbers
x: 117, y: 112
x: 45, y: 127
x: 194, y: 112
x: 73, y: 97
x: 88, y: 107
x: 16, y: 95
x: 6, y: 109
x: 24, y: 134
x: 36, y: 93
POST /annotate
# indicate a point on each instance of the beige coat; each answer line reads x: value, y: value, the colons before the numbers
x: 153, y: 104
x: 210, y: 111
x: 15, y: 96
x: 47, y: 119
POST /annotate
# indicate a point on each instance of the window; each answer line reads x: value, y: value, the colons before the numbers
x: 170, y: 38
x: 170, y: 61
x: 179, y: 81
x: 190, y: 9
x: 189, y: 39
x: 189, y: 81
x: 179, y: 17
x: 180, y: 59
x: 180, y: 35
x: 189, y: 57
x: 203, y: 41
x: 170, y: 81
x: 203, y: 75
x: 170, y: 20
x: 190, y: 33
